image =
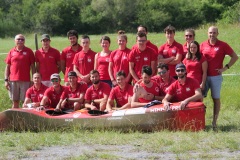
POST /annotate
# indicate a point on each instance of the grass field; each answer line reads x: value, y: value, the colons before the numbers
x: 174, y: 145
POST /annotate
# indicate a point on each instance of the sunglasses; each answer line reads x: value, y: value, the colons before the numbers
x: 45, y: 40
x: 54, y: 80
x: 21, y: 39
x: 162, y: 72
x: 190, y: 36
x: 180, y: 70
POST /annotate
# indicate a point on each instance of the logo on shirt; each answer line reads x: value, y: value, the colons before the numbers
x: 174, y: 51
x: 125, y: 57
x: 51, y: 57
x: 188, y: 89
x: 137, y: 58
x: 24, y: 53
x: 100, y: 92
x: 69, y: 55
x: 156, y: 89
x: 178, y: 91
x: 40, y: 95
x: 89, y: 60
x: 107, y: 59
x: 216, y: 48
x: 145, y: 58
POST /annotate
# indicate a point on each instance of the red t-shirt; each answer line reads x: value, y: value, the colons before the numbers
x: 121, y: 96
x: 148, y: 44
x: 215, y: 55
x: 68, y: 56
x: 194, y: 68
x: 155, y: 90
x: 120, y: 61
x: 84, y: 61
x: 141, y: 58
x: 20, y: 64
x: 182, y: 92
x: 185, y: 50
x: 34, y: 94
x: 168, y: 51
x: 102, y: 66
x: 162, y: 85
x: 47, y: 62
x: 92, y: 93
x: 52, y: 96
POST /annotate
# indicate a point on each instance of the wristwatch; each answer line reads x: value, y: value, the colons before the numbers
x: 227, y: 66
x: 6, y: 79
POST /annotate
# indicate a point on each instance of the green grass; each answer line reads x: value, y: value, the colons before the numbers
x: 184, y: 145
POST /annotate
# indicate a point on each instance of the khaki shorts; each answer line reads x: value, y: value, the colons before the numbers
x: 18, y: 90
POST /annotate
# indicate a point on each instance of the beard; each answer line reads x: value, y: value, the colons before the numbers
x: 75, y: 44
x: 146, y: 82
x: 96, y: 82
x: 181, y: 76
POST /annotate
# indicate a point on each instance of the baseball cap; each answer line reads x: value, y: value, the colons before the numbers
x: 180, y: 65
x: 72, y: 73
x: 45, y: 36
x: 54, y: 76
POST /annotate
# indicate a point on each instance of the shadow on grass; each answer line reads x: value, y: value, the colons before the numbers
x: 227, y: 128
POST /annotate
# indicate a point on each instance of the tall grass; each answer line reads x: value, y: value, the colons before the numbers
x: 183, y: 145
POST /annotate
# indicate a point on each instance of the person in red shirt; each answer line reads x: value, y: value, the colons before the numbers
x: 171, y: 52
x: 196, y: 64
x: 141, y: 56
x: 73, y: 95
x: 52, y: 94
x: 163, y: 79
x: 20, y: 61
x: 119, y: 59
x: 215, y: 51
x: 144, y: 89
x: 102, y: 60
x: 189, y: 37
x: 83, y: 61
x: 35, y: 93
x: 68, y: 54
x: 96, y: 95
x: 144, y: 29
x: 47, y: 60
x: 183, y: 90
x: 122, y: 93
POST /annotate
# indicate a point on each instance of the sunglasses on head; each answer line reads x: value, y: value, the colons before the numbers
x: 54, y: 80
x: 190, y: 36
x: 180, y: 70
x: 162, y: 72
x: 21, y: 39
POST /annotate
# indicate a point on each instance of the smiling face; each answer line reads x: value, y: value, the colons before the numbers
x: 189, y: 36
x: 19, y: 40
x: 105, y: 44
x: 85, y: 43
x: 95, y: 79
x: 193, y: 48
x: 73, y: 40
x: 36, y: 78
x: 212, y: 33
x: 180, y: 72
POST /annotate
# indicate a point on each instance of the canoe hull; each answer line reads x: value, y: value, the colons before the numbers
x: 145, y: 119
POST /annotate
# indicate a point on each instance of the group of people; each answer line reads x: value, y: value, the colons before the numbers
x: 118, y: 79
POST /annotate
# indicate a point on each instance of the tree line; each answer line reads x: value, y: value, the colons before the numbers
x: 56, y: 17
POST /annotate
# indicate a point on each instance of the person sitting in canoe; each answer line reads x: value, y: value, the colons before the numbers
x: 96, y: 95
x: 183, y: 90
x: 122, y: 93
x: 52, y: 94
x: 145, y: 90
x: 73, y: 95
x: 35, y: 93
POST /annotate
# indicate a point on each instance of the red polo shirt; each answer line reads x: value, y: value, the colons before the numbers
x: 121, y: 96
x: 155, y: 90
x: 34, y: 94
x: 52, y: 96
x: 215, y: 55
x: 162, y: 85
x: 150, y: 45
x: 102, y: 66
x: 47, y: 62
x: 20, y: 64
x: 68, y: 56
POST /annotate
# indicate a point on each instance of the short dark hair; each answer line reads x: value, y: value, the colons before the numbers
x: 147, y: 69
x: 85, y: 37
x: 106, y: 38
x: 143, y: 27
x: 141, y: 34
x: 121, y: 73
x: 169, y: 29
x: 163, y: 65
x: 121, y: 32
x: 72, y: 33
x: 94, y: 71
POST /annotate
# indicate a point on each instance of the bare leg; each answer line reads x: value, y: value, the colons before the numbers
x: 77, y: 106
x: 15, y: 104
x: 216, y: 110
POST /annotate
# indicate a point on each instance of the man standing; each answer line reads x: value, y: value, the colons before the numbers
x: 47, y: 60
x: 215, y: 50
x: 96, y: 95
x: 35, y: 93
x: 83, y: 61
x: 122, y: 93
x: 68, y: 54
x: 73, y: 95
x: 20, y: 60
x: 183, y: 90
x: 171, y: 52
x: 141, y: 56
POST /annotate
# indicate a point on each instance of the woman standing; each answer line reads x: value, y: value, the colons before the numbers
x: 119, y: 59
x: 102, y: 60
x: 196, y: 64
x: 189, y: 37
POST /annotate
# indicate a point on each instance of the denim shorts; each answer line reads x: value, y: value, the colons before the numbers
x: 214, y: 83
